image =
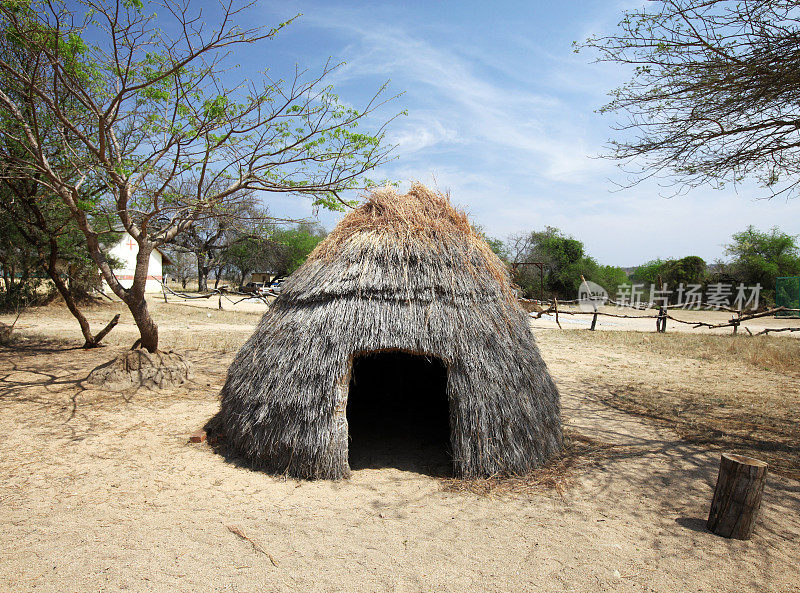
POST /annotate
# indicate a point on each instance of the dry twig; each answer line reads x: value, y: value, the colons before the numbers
x: 237, y: 531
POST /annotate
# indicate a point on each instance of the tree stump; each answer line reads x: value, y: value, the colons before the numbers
x: 737, y: 497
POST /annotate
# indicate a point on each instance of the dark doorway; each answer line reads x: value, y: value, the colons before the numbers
x: 398, y: 413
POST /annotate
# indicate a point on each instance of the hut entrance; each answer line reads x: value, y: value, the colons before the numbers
x: 398, y: 413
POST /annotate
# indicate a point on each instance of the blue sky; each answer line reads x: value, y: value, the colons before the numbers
x: 501, y: 113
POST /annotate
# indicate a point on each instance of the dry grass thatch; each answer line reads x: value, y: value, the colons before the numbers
x: 401, y: 273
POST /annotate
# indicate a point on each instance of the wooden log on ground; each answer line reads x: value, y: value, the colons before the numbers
x: 198, y: 437
x: 737, y: 497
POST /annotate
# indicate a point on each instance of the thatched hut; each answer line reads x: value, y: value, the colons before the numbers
x: 402, y: 314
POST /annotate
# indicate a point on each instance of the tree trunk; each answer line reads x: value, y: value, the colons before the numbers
x: 134, y: 296
x: 90, y: 341
x: 26, y: 273
x: 217, y: 277
x: 202, y: 272
x: 137, y: 303
x: 63, y: 289
x: 737, y: 497
x: 148, y: 330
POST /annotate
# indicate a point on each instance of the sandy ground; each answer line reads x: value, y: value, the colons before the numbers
x: 100, y: 491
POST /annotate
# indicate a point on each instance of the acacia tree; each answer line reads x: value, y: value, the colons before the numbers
x: 158, y: 109
x: 210, y: 235
x: 41, y: 222
x: 181, y: 266
x: 247, y: 254
x: 763, y: 256
x: 715, y: 96
x: 45, y: 227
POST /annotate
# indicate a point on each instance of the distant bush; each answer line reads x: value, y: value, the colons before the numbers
x: 28, y: 293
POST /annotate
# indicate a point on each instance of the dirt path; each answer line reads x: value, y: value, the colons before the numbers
x: 100, y: 491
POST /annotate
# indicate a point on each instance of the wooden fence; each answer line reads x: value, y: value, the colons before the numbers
x: 661, y: 314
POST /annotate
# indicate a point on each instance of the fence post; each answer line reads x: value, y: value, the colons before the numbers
x: 555, y: 302
x: 589, y: 292
x: 661, y: 320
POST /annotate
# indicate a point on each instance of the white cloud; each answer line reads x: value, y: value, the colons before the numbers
x: 535, y: 130
x: 421, y: 131
x: 512, y: 135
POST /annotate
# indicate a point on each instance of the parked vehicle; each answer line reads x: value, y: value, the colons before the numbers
x: 253, y: 287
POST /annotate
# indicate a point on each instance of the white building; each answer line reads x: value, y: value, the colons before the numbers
x: 125, y: 251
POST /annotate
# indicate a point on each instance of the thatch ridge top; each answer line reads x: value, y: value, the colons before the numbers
x: 421, y: 225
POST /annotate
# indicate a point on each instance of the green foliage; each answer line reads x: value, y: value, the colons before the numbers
x: 18, y: 266
x: 688, y: 270
x: 762, y: 256
x: 609, y: 277
x: 649, y: 272
x: 564, y: 258
x: 787, y: 294
x: 30, y: 35
x: 671, y: 272
x: 565, y: 262
x: 296, y: 244
x: 37, y: 227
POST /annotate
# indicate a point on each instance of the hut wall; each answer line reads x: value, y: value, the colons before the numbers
x: 294, y: 371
